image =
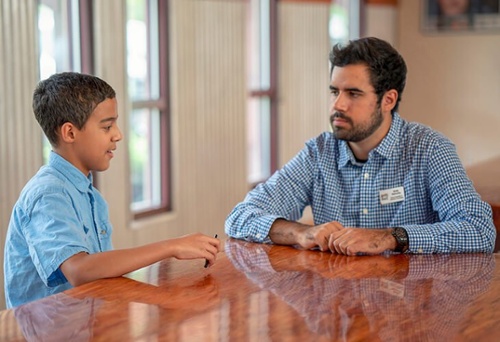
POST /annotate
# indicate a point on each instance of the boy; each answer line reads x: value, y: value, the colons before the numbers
x: 59, y: 233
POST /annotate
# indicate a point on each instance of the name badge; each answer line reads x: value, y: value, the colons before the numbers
x: 392, y: 195
x: 393, y: 288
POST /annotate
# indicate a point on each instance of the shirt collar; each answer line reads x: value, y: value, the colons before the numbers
x: 69, y: 171
x: 390, y: 141
x: 346, y: 154
x: 385, y: 148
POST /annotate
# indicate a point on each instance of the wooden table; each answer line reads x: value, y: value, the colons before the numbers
x: 274, y: 293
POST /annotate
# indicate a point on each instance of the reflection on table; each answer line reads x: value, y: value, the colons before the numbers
x: 377, y: 298
x: 261, y: 292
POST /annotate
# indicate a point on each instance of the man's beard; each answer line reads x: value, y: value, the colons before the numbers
x: 359, y: 132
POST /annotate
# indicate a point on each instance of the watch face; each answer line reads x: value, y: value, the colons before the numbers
x: 401, y: 239
x: 400, y: 234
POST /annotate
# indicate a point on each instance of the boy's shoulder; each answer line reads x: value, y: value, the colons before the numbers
x: 46, y: 181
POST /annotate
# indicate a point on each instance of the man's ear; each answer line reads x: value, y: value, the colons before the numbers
x: 67, y: 132
x: 389, y: 100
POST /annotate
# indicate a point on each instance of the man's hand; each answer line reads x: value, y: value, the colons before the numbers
x: 361, y: 241
x: 319, y: 236
x: 333, y: 236
x: 284, y: 232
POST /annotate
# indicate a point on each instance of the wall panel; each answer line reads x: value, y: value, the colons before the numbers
x: 303, y: 75
x: 208, y: 107
x: 208, y: 114
x: 20, y: 135
x: 453, y: 82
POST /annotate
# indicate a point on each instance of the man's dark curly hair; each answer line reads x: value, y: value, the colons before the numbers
x: 386, y: 66
x: 68, y: 97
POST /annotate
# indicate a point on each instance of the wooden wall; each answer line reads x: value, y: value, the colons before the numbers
x: 20, y: 135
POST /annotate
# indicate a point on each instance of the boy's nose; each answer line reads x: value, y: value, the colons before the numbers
x: 118, y: 136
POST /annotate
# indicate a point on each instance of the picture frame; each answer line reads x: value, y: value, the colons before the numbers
x: 460, y: 16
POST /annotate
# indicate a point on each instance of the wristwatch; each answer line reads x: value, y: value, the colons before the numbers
x: 401, y: 237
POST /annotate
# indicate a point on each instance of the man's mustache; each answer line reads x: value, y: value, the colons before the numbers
x: 340, y: 116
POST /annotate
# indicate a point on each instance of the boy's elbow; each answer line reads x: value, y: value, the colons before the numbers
x: 74, y: 269
x: 76, y: 280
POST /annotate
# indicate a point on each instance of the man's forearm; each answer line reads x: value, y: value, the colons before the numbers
x: 285, y: 232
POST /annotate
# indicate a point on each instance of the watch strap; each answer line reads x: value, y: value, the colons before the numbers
x: 401, y: 237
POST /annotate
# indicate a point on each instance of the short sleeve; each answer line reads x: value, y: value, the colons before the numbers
x: 54, y: 232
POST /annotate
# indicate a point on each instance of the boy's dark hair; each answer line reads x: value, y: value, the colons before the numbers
x: 68, y: 97
x: 386, y: 66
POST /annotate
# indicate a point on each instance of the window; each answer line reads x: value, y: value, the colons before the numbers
x: 149, y: 122
x: 262, y: 122
x: 65, y: 40
x: 262, y: 110
x: 344, y: 20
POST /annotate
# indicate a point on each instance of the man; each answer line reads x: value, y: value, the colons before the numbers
x: 376, y: 183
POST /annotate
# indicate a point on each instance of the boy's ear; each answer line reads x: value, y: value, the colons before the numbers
x: 67, y: 132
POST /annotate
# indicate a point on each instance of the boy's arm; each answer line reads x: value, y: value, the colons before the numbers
x: 82, y: 268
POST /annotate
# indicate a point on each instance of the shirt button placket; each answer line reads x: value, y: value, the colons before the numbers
x: 365, y: 191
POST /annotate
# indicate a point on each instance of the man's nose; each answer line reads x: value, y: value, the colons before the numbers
x: 339, y: 103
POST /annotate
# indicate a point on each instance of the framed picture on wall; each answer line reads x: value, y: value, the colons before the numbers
x: 460, y: 15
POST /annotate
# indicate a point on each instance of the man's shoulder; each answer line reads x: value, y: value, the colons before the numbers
x: 325, y: 140
x: 422, y: 134
x: 323, y: 146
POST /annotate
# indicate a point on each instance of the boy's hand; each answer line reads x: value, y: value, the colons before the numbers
x: 196, y: 246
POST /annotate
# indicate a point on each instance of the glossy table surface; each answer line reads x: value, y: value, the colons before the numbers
x: 274, y: 293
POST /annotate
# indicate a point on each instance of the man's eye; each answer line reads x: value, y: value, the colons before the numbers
x: 334, y: 92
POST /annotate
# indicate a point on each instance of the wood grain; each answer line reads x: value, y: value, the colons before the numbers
x: 276, y: 293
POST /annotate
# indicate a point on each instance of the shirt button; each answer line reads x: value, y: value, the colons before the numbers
x: 103, y: 232
x: 258, y: 235
x: 365, y: 211
x: 366, y: 175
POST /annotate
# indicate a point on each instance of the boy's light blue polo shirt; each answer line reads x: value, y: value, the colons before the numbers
x: 58, y: 214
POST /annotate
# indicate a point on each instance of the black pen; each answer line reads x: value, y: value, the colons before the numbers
x: 206, y: 260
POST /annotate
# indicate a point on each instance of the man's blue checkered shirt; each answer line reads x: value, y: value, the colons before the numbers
x: 441, y: 210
